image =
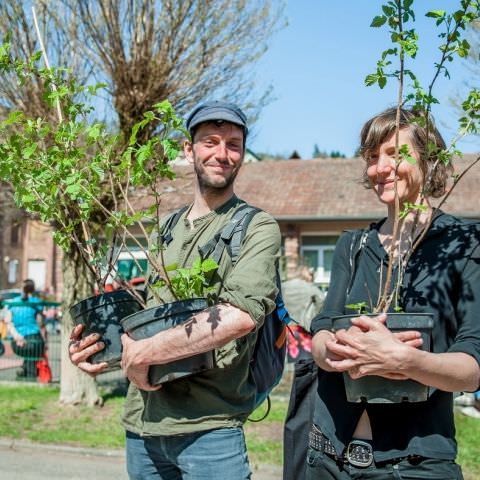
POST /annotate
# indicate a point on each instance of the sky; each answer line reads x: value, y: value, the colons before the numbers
x: 317, y: 66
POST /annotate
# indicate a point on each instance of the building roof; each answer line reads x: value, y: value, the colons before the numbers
x: 318, y: 189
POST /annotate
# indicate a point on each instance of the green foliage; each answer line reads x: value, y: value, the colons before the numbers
x: 360, y: 307
x: 73, y: 173
x: 398, y: 16
x: 193, y: 282
x: 405, y: 154
x: 412, y: 207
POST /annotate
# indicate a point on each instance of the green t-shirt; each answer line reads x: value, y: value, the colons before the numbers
x: 223, y: 396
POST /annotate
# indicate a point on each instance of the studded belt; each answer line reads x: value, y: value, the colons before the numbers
x: 358, y: 452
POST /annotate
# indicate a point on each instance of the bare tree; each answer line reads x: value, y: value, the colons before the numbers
x: 145, y: 51
x: 59, y: 30
x: 183, y: 50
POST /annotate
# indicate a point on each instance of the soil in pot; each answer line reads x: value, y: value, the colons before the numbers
x: 151, y: 321
x: 375, y: 389
x: 102, y: 314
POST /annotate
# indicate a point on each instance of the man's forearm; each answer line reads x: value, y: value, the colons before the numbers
x: 207, y: 330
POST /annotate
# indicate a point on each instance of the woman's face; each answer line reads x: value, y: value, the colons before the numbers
x: 381, y: 171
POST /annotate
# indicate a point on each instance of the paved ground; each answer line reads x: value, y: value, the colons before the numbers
x: 29, y: 461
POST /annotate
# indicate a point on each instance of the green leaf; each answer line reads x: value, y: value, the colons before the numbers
x: 388, y: 10
x: 13, y: 117
x: 196, y: 266
x: 29, y: 150
x: 94, y: 131
x: 371, y: 79
x: 405, y: 154
x: 209, y: 265
x: 436, y: 14
x: 378, y: 21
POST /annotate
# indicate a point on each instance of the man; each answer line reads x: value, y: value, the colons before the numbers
x: 192, y: 428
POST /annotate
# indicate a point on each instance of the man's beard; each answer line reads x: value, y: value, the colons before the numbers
x: 214, y: 188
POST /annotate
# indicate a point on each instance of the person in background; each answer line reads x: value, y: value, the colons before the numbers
x: 25, y: 325
x: 303, y: 301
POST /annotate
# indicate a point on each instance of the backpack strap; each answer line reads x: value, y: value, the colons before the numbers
x: 169, y: 225
x: 359, y: 239
x: 231, y: 236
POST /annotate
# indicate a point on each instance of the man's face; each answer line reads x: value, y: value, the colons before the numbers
x: 216, y: 154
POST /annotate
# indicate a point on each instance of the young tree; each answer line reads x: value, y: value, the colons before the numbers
x: 472, y: 65
x: 145, y: 51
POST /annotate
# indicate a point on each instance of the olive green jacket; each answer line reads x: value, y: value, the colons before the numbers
x: 223, y: 396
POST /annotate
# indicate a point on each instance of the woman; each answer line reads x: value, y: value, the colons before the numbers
x: 25, y: 325
x: 398, y: 440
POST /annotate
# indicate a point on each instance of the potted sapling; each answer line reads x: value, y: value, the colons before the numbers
x: 410, y: 219
x: 69, y: 171
x: 188, y: 286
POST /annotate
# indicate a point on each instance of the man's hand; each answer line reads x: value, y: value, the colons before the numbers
x: 370, y: 348
x: 80, y: 349
x: 133, y: 369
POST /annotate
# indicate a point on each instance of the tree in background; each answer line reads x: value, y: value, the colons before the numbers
x: 145, y: 51
x: 472, y: 64
x: 317, y: 153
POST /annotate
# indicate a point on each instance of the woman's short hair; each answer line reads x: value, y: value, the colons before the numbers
x: 423, y: 135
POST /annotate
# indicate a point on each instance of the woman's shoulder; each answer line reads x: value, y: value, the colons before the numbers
x: 447, y: 221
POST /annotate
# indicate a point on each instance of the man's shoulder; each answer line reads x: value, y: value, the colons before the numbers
x: 259, y: 216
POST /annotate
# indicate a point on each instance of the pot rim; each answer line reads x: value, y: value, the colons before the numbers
x: 148, y: 315
x: 424, y: 319
x: 95, y: 301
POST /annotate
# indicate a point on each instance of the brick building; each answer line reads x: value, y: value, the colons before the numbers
x: 312, y: 200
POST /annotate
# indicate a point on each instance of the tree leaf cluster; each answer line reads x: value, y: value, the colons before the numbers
x: 73, y: 173
x: 188, y: 283
x: 398, y: 16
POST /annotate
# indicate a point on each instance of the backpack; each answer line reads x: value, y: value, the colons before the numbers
x: 268, y: 359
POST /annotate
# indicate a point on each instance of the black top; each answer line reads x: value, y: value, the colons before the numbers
x: 442, y: 277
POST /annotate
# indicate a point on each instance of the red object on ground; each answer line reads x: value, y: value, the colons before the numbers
x: 44, y: 371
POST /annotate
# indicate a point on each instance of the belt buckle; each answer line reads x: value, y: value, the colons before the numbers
x: 359, y: 454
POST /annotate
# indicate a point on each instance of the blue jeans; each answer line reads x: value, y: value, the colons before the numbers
x: 211, y: 455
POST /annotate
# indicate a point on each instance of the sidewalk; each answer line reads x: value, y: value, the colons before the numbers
x: 21, y: 460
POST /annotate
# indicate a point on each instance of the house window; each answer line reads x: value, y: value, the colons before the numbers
x: 317, y: 252
x: 15, y: 234
x: 12, y: 271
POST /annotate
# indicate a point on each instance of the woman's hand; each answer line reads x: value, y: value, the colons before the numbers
x: 370, y: 348
x: 81, y: 349
x: 19, y: 340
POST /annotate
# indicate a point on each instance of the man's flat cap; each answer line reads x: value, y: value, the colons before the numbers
x: 217, y: 111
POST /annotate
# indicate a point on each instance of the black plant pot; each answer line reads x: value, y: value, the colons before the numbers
x: 375, y: 389
x: 151, y: 321
x: 102, y: 314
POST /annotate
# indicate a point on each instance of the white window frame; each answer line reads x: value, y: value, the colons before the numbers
x: 320, y: 275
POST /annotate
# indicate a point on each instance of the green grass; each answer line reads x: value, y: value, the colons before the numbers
x: 468, y: 437
x: 33, y: 413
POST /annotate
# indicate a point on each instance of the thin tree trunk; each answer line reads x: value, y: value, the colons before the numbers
x: 76, y: 387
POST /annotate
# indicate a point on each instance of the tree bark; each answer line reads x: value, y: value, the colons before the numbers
x: 76, y: 387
